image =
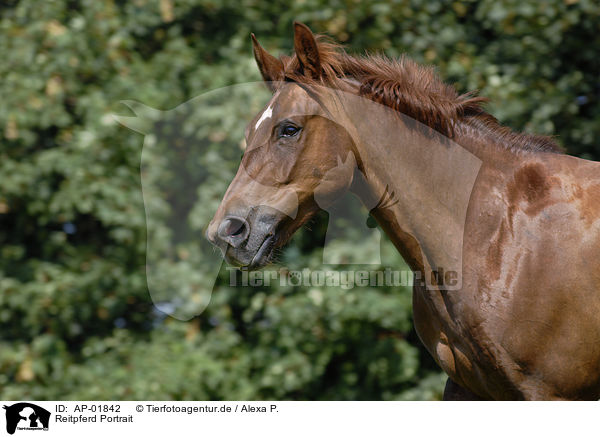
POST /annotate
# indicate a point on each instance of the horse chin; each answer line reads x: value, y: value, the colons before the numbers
x: 252, y: 260
x: 264, y: 254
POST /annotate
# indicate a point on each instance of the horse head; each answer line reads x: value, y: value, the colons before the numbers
x: 297, y: 160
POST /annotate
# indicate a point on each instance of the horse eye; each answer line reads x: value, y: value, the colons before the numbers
x: 288, y: 130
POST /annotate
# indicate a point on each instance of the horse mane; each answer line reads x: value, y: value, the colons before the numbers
x: 414, y: 90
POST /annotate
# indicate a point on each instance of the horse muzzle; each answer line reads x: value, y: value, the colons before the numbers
x: 247, y: 241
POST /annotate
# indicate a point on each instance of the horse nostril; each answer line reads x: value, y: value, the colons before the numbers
x: 234, y: 230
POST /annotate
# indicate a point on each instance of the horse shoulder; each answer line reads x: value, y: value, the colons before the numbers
x: 549, y: 301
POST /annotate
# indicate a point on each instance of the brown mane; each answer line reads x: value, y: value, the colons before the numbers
x: 416, y: 91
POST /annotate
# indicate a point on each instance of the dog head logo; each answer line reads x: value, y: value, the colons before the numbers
x: 26, y: 416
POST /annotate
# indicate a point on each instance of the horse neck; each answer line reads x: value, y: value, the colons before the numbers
x: 431, y: 178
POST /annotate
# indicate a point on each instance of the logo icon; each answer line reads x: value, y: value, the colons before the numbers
x: 26, y: 416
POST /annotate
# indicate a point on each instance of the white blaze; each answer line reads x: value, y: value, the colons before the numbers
x: 266, y: 114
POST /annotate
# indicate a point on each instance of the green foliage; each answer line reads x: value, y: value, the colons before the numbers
x: 76, y: 319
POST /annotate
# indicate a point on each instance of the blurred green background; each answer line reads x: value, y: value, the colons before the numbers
x: 76, y: 318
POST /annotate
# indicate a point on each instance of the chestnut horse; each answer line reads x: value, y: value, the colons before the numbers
x: 524, y: 322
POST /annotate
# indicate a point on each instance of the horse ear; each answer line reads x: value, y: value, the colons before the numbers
x: 307, y: 50
x: 270, y: 67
